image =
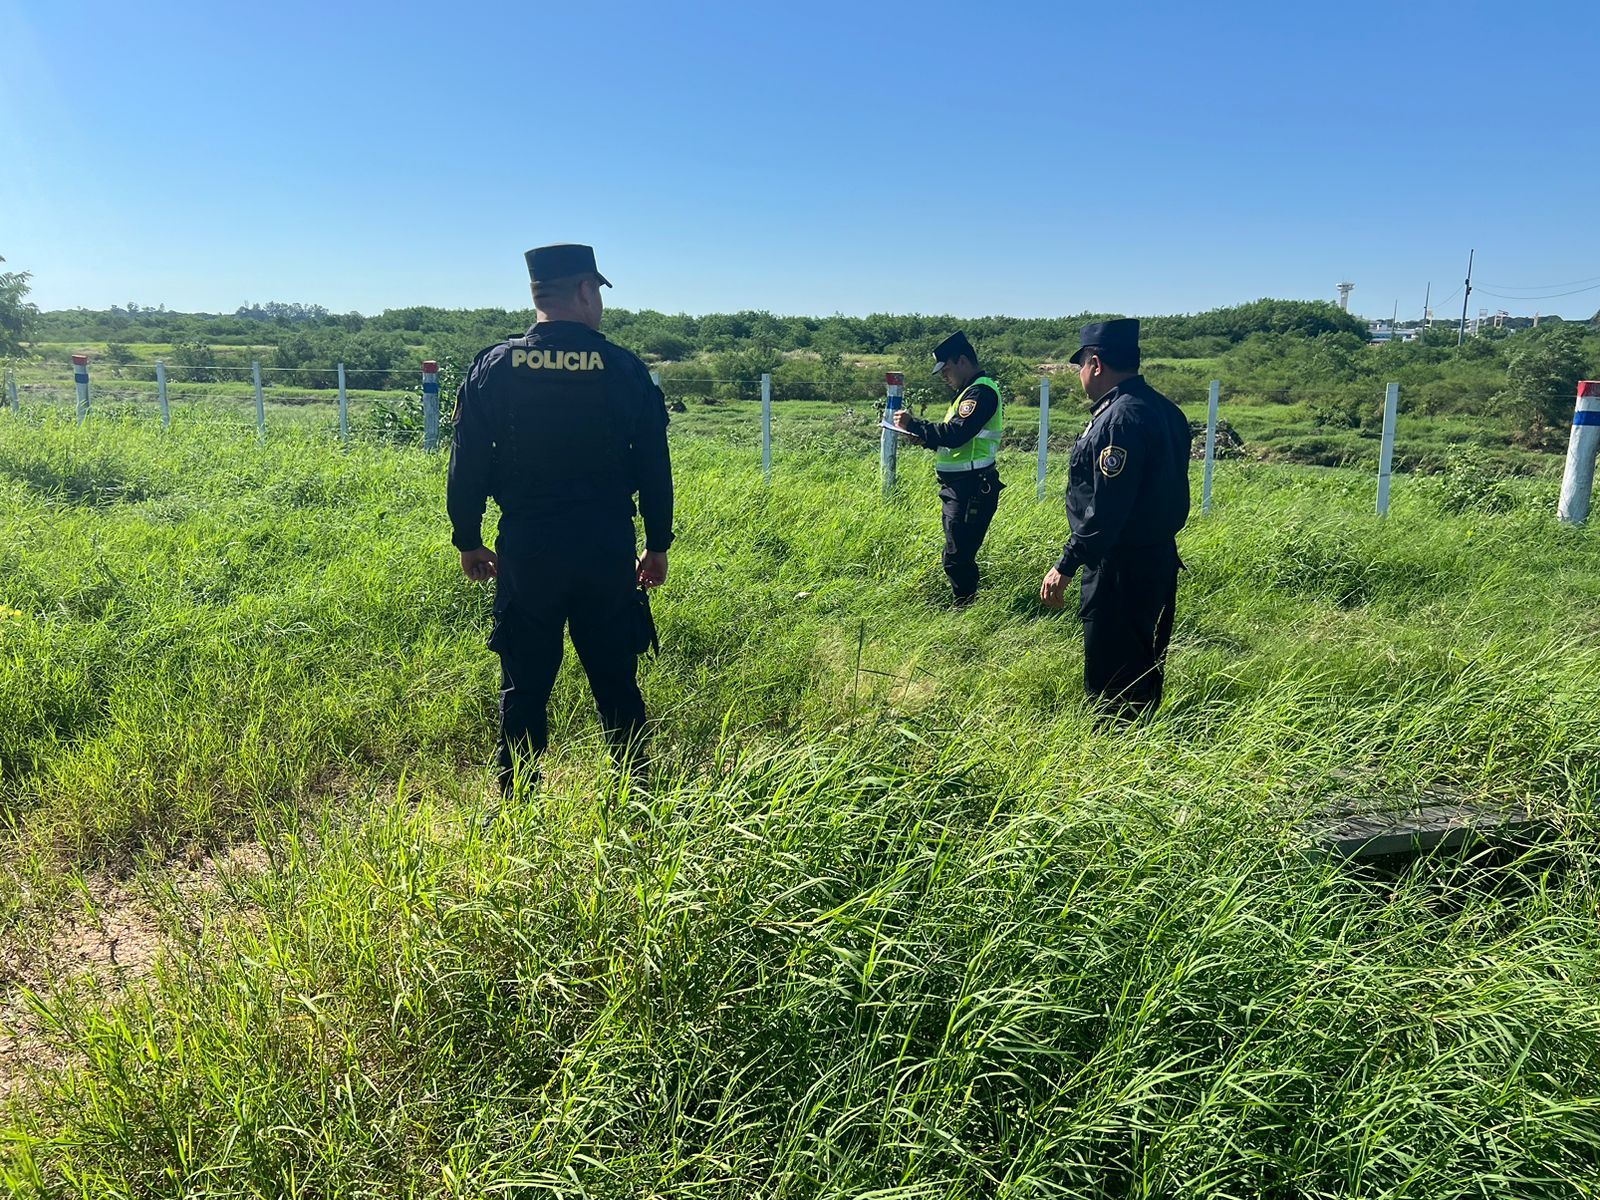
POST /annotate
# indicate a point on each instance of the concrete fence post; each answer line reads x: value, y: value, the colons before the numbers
x: 1391, y: 409
x: 889, y: 441
x: 161, y: 394
x: 1044, y: 432
x: 344, y: 409
x: 1577, y: 481
x: 766, y: 427
x: 80, y: 376
x: 430, y: 405
x: 11, y: 389
x: 1211, y: 447
x: 261, y: 406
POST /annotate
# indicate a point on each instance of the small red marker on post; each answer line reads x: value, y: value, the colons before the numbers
x: 889, y: 445
x: 430, y: 405
x: 1583, y: 446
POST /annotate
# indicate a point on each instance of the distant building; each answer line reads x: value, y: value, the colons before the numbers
x: 1383, y: 331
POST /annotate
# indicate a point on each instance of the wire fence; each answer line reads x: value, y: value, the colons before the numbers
x: 341, y: 402
x: 747, y: 413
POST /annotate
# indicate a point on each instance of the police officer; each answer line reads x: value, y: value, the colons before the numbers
x: 1127, y: 497
x: 562, y: 427
x: 967, y: 441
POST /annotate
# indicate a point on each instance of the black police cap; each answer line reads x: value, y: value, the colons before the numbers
x: 952, y: 348
x: 562, y: 262
x: 1121, y: 334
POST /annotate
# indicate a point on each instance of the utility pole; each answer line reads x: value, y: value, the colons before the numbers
x: 1427, y: 317
x: 1462, y: 332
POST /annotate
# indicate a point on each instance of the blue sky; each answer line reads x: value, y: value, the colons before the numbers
x: 1023, y: 158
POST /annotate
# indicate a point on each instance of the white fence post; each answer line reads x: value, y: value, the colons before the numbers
x: 888, y: 441
x: 11, y: 387
x: 1577, y: 482
x: 161, y: 394
x: 261, y: 407
x: 1044, y: 432
x: 1211, y: 448
x: 344, y: 410
x: 1391, y: 409
x: 80, y: 376
x: 766, y: 427
x: 430, y: 405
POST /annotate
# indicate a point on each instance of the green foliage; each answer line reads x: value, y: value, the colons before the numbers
x: 874, y: 923
x: 195, y: 361
x: 120, y: 355
x: 1542, y: 374
x: 1473, y: 482
x: 18, y: 316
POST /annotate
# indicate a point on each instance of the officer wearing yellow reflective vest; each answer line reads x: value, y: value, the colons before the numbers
x: 967, y: 441
x: 562, y: 428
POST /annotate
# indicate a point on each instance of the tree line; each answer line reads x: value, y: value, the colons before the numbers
x: 1291, y: 352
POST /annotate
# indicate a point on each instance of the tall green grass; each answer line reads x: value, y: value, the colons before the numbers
x: 893, y: 915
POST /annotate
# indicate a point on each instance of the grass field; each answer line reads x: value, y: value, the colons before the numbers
x: 1271, y: 432
x: 892, y: 914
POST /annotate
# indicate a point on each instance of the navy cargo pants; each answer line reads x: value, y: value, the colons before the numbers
x: 967, y: 500
x: 551, y: 580
x: 1127, y: 609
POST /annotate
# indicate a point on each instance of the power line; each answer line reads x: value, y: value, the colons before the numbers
x: 1539, y: 287
x: 1545, y: 296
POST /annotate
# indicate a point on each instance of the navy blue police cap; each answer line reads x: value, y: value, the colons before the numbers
x: 562, y: 262
x: 1120, y: 334
x: 952, y: 348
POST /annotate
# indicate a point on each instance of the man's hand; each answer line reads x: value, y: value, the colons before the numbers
x: 900, y: 421
x: 1053, y: 591
x: 652, y: 568
x: 480, y: 564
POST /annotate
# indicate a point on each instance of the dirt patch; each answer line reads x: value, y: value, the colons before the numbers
x: 109, y: 940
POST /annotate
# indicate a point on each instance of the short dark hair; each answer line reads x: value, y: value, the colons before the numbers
x: 559, y: 291
x: 1115, y: 358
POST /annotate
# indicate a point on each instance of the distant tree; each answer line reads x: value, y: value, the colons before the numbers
x: 666, y: 345
x: 119, y: 354
x: 196, y: 360
x: 17, y: 315
x: 1542, y: 373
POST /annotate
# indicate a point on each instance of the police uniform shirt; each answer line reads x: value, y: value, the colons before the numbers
x: 561, y: 428
x: 1128, y: 486
x: 977, y: 408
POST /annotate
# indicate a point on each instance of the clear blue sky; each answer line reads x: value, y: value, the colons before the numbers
x: 1022, y: 158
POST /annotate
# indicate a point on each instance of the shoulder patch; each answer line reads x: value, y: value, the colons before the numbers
x: 1112, y: 460
x: 967, y: 408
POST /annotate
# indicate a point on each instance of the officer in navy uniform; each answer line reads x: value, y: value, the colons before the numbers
x: 967, y: 441
x: 562, y: 428
x: 1127, y: 497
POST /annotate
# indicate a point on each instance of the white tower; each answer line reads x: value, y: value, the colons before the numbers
x: 1344, y: 295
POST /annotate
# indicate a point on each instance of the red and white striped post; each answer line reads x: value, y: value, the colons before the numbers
x: 889, y: 442
x: 1577, y: 483
x: 430, y: 405
x: 80, y: 376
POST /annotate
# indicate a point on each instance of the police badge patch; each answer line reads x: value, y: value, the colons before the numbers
x: 1112, y: 460
x: 967, y: 408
